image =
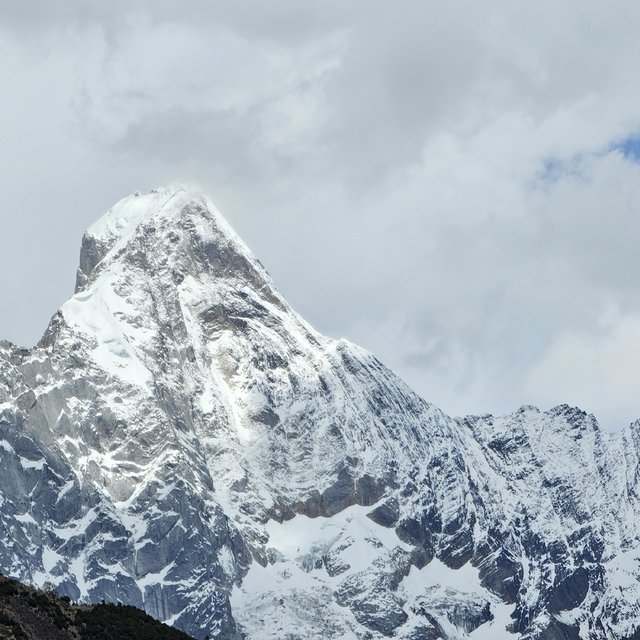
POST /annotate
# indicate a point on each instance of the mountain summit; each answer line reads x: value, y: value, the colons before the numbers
x: 182, y: 441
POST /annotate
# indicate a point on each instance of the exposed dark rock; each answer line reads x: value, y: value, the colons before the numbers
x: 569, y: 592
x: 386, y: 514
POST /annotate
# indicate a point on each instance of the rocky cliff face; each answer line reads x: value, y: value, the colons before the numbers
x: 181, y: 440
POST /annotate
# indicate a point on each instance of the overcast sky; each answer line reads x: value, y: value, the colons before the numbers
x: 453, y: 185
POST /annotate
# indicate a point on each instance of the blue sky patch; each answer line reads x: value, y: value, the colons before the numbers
x: 554, y: 168
x: 630, y: 147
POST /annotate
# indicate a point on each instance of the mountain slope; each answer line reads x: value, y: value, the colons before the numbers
x: 181, y: 440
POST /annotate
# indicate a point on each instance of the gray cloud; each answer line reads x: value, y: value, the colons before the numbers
x: 438, y: 182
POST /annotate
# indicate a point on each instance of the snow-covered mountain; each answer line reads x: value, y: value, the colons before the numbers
x: 183, y: 441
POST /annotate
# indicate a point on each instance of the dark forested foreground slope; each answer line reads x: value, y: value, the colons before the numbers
x: 29, y: 614
x: 182, y: 441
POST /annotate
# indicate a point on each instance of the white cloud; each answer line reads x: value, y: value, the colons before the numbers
x: 436, y: 181
x: 597, y: 371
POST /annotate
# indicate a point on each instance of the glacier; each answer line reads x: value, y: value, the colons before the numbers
x: 183, y: 441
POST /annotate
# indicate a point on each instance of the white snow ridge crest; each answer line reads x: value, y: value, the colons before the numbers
x: 181, y: 440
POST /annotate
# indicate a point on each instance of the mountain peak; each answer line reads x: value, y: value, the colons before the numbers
x: 160, y: 264
x: 126, y: 214
x: 162, y: 207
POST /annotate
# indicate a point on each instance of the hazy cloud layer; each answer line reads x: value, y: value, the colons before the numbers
x: 454, y: 186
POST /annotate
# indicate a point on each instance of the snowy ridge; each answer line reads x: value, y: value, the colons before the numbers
x: 183, y: 441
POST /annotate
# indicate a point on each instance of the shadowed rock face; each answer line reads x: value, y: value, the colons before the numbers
x: 181, y: 440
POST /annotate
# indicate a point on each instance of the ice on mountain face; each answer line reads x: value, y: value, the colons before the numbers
x: 315, y: 562
x: 97, y: 313
x: 457, y: 600
x: 182, y: 440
